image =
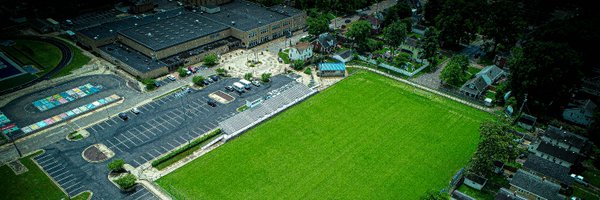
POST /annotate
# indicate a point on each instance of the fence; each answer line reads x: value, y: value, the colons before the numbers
x: 395, y: 69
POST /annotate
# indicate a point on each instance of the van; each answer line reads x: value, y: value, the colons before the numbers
x: 246, y: 83
x: 238, y: 87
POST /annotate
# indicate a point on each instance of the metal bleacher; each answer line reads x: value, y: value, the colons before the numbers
x: 279, y: 100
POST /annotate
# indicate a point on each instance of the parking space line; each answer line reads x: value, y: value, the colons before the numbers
x: 58, y: 176
x: 53, y: 167
x: 164, y: 148
x: 148, y: 131
x: 50, y: 163
x: 135, y: 161
x: 127, y: 138
x: 45, y: 161
x: 114, y: 146
x: 91, y: 127
x: 68, y: 181
x: 167, y: 121
x: 172, y: 147
x: 77, y: 189
x: 143, y: 195
x: 64, y: 178
x: 43, y: 157
x: 152, y: 155
x: 135, y: 136
x: 144, y: 158
x: 157, y: 151
x: 144, y: 134
x: 71, y: 186
x: 107, y: 123
x: 98, y: 125
x: 150, y: 106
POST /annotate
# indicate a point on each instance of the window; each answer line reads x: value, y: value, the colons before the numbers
x: 275, y: 27
x: 264, y: 30
x: 251, y: 34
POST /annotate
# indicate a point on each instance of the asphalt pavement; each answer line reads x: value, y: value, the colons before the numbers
x: 163, y: 125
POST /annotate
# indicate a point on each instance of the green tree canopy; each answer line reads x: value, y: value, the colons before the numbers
x: 210, y: 60
x: 454, y: 72
x: 266, y: 77
x: 497, y: 144
x: 397, y: 12
x: 198, y: 80
x: 317, y: 25
x: 358, y: 32
x: 459, y: 21
x: 394, y: 35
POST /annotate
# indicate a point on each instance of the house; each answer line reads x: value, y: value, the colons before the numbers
x: 564, y: 139
x: 302, y: 51
x: 591, y: 83
x: 580, y: 112
x: 344, y: 56
x: 476, y: 87
x: 545, y: 168
x: 325, y: 43
x: 331, y: 69
x: 375, y: 24
x: 474, y: 181
x: 527, y: 121
x: 458, y: 195
x: 501, y: 59
x: 554, y: 153
x: 505, y: 194
x: 532, y: 187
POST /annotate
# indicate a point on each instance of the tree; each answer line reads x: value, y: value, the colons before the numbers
x: 497, y: 144
x: 459, y: 21
x: 454, y: 72
x: 394, y: 35
x: 397, y: 12
x: 317, y: 25
x: 547, y: 72
x: 198, y: 80
x: 221, y: 71
x: 248, y: 76
x: 116, y: 165
x: 126, y: 182
x: 210, y: 59
x: 358, y: 32
x: 266, y: 77
x: 298, y: 64
x: 430, y: 46
x: 182, y: 72
x: 504, y: 23
x: 432, y: 10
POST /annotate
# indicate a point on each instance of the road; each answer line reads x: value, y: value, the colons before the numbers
x: 377, y: 7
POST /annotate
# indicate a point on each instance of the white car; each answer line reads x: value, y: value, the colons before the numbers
x: 135, y: 110
x: 171, y: 77
x: 256, y: 83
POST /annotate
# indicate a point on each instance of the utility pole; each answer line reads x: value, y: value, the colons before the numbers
x: 523, y: 104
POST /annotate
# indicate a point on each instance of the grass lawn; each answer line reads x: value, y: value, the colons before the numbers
x: 15, y: 81
x: 284, y: 55
x: 584, y: 194
x: 77, y: 61
x: 367, y: 137
x: 42, y: 55
x: 33, y: 184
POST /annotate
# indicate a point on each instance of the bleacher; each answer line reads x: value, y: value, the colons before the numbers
x: 277, y: 101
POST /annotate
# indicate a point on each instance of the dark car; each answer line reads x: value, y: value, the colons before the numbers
x: 206, y: 82
x: 156, y: 83
x: 229, y: 88
x: 123, y: 116
x: 214, y: 77
x: 212, y: 103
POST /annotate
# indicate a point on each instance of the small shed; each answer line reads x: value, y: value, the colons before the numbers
x: 331, y: 69
x: 527, y: 121
x: 474, y: 181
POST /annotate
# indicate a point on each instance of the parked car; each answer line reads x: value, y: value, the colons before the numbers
x: 171, y: 77
x: 123, y: 116
x: 239, y: 87
x: 214, y: 77
x: 188, y: 72
x: 579, y: 179
x: 206, y: 82
x: 192, y: 69
x: 156, y: 84
x: 135, y: 110
x: 229, y: 88
x: 210, y: 80
x: 246, y: 84
x: 256, y: 83
x: 212, y: 103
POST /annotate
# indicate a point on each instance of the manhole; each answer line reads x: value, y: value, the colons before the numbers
x: 97, y: 153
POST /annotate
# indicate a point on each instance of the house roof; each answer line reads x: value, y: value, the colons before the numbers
x: 411, y: 42
x: 301, y: 46
x: 491, y: 74
x: 505, y: 194
x: 558, y: 152
x: 345, y: 54
x: 332, y: 66
x: 475, y: 86
x: 536, y: 185
x: 548, y: 168
x: 477, y: 179
x: 564, y: 136
x: 326, y: 40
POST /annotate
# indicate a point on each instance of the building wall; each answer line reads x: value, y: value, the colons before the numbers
x: 331, y: 73
x: 92, y: 43
x: 198, y: 58
x: 304, y: 55
x: 177, y: 48
x: 150, y: 74
x: 577, y: 116
x: 472, y: 184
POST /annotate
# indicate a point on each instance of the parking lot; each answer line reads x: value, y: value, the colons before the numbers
x: 160, y: 126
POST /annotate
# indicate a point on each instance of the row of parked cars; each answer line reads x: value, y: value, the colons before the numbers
x: 242, y: 85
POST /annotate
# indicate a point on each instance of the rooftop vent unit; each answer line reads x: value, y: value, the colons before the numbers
x: 233, y: 23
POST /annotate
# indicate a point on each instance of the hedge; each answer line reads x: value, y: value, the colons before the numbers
x: 186, y: 147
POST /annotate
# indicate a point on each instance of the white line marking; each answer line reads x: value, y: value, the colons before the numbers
x: 64, y: 178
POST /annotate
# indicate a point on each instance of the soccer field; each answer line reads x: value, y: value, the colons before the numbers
x: 367, y: 137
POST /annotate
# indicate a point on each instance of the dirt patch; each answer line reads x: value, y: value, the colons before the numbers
x: 221, y: 97
x: 97, y: 153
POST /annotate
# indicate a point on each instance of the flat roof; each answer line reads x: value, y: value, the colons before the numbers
x: 332, y: 66
x: 172, y: 31
x: 286, y: 10
x: 246, y: 15
x: 131, y: 57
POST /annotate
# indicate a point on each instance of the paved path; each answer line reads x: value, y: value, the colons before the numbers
x: 426, y: 89
x: 431, y: 80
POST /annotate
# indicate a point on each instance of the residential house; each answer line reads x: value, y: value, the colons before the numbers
x: 302, y: 51
x: 325, y: 43
x: 580, y: 112
x: 476, y: 87
x: 554, y: 153
x: 474, y: 181
x: 591, y: 82
x: 458, y: 195
x: 375, y: 24
x: 564, y: 139
x: 331, y: 69
x: 344, y: 56
x: 545, y: 168
x: 532, y: 187
x: 505, y: 194
x: 501, y: 59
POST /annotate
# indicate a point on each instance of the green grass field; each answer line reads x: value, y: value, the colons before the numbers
x: 367, y: 137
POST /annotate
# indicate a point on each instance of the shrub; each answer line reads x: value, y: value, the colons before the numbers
x: 266, y: 77
x: 126, y: 182
x: 298, y: 64
x: 186, y: 147
x: 182, y: 72
x: 150, y: 83
x: 210, y: 60
x: 248, y: 76
x: 116, y: 165
x: 198, y: 80
x: 308, y: 71
x: 221, y: 72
